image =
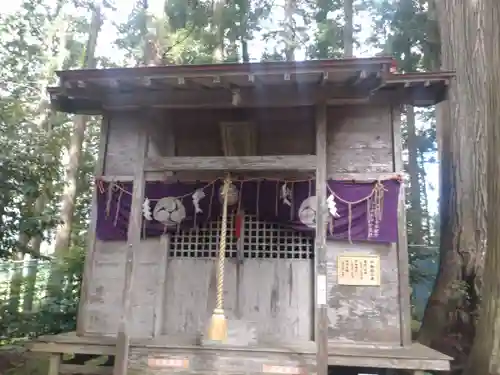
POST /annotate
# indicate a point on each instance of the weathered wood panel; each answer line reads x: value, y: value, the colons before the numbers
x: 364, y: 314
x: 277, y: 294
x: 279, y: 131
x: 359, y: 139
x: 89, y: 258
x: 232, y: 163
x: 103, y: 307
x: 274, y: 294
x: 188, y: 304
x: 222, y: 361
x: 121, y: 150
x: 197, y: 133
x: 104, y: 291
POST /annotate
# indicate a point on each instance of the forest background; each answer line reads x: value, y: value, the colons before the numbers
x: 47, y: 159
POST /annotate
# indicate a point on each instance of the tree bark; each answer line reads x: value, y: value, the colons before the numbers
x: 219, y: 29
x: 244, y: 8
x: 448, y: 323
x: 485, y: 355
x: 35, y: 244
x: 290, y: 37
x: 348, y: 28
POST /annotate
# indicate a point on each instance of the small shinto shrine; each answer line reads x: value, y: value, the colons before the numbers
x: 247, y: 219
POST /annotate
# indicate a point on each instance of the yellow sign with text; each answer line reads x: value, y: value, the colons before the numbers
x: 360, y: 270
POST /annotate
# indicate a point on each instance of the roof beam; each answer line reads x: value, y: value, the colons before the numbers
x: 257, y: 96
x: 373, y: 64
x: 67, y: 101
x: 232, y: 163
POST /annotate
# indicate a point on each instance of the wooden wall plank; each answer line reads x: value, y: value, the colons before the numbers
x: 160, y: 281
x: 189, y: 301
x: 359, y: 140
x: 281, y: 289
x: 133, y: 244
x: 367, y: 315
x: 82, y: 318
x: 104, y: 298
x: 121, y: 153
x: 278, y: 300
x: 105, y: 288
x: 360, y: 146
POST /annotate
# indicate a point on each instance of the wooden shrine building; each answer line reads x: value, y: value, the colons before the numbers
x: 247, y: 219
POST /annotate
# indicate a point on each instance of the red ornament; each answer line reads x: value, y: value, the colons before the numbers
x: 238, y: 221
x: 394, y: 66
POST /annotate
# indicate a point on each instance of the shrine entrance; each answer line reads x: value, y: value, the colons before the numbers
x: 268, y: 278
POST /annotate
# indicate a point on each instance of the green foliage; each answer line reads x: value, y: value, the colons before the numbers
x: 51, y: 316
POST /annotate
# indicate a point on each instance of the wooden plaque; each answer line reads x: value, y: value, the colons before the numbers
x: 362, y: 270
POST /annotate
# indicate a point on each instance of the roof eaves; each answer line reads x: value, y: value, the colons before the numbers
x: 224, y: 69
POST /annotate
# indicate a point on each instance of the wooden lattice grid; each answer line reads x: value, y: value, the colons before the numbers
x: 260, y: 239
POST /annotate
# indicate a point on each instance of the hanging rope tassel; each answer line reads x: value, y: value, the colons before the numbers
x: 217, y: 330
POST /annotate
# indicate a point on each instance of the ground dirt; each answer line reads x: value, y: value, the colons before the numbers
x: 18, y: 361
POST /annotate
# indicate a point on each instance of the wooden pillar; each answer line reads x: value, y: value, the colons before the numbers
x: 133, y: 244
x: 321, y: 318
x: 54, y: 364
x: 402, y: 246
x: 90, y: 253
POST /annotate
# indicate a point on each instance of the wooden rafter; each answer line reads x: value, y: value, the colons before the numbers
x: 232, y: 163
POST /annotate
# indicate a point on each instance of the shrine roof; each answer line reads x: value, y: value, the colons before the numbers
x: 267, y: 84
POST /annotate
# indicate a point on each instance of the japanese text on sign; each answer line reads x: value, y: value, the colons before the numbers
x: 358, y: 270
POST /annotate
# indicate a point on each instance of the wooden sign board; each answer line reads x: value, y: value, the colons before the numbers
x: 360, y: 270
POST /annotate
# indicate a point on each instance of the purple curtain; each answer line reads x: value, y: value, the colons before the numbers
x: 365, y: 211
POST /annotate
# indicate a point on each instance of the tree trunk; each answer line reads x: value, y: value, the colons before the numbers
x: 35, y: 244
x: 417, y: 235
x: 426, y: 217
x: 485, y: 355
x: 290, y: 38
x: 16, y: 280
x: 219, y: 29
x: 63, y: 235
x: 244, y: 6
x: 31, y: 274
x: 448, y: 323
x: 348, y: 28
x: 44, y: 123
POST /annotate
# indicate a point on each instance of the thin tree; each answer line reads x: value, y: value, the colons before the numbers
x: 68, y: 200
x: 348, y: 28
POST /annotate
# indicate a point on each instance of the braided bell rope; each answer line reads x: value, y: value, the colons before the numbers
x: 219, y: 307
